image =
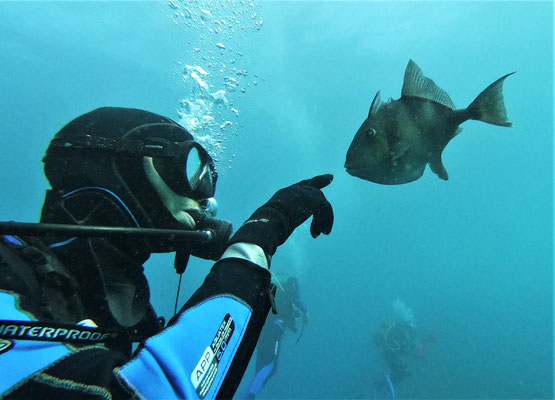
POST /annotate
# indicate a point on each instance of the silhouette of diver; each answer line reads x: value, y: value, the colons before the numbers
x: 400, y: 343
x: 289, y: 308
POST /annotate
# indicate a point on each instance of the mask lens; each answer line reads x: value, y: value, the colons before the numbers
x: 193, y: 177
x: 193, y: 168
x: 200, y: 173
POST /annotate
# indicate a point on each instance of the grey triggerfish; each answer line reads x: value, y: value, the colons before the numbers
x: 400, y: 137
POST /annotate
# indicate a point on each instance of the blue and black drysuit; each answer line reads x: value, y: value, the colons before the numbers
x: 202, y: 353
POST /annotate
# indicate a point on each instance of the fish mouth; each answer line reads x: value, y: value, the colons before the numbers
x: 358, y: 172
x: 351, y: 167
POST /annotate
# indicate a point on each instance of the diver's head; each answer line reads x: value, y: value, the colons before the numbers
x: 148, y: 164
x: 291, y: 286
x: 131, y: 168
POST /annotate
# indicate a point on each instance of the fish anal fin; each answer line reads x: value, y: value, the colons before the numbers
x: 457, y: 131
x: 437, y: 167
x: 416, y: 84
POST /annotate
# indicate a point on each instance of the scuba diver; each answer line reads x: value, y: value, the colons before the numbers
x: 400, y: 343
x: 127, y: 183
x: 289, y: 309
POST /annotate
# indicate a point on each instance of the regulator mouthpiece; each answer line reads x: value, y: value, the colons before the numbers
x: 221, y: 232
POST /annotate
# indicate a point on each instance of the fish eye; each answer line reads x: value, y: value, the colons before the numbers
x: 371, y: 132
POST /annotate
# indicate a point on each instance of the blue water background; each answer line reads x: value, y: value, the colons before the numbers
x: 472, y: 257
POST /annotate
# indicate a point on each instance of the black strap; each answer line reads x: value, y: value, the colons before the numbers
x: 67, y: 333
x: 156, y: 147
x: 272, y: 295
x: 12, y: 249
x: 20, y: 268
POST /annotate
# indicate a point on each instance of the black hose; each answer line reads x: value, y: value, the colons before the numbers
x: 40, y: 229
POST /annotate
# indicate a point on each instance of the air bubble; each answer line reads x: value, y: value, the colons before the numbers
x: 215, y: 78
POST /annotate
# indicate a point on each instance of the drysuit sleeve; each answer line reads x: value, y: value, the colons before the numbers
x: 203, y: 352
x: 206, y: 348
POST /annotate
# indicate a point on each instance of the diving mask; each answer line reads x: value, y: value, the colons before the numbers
x: 183, y: 164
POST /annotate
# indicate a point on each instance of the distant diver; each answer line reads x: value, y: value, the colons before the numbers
x: 400, y: 344
x: 289, y: 307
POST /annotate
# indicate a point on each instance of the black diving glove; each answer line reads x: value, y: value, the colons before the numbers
x: 271, y: 225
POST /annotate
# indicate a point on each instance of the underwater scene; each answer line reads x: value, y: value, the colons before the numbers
x: 436, y: 281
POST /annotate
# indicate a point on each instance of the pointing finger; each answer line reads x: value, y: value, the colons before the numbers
x: 319, y: 182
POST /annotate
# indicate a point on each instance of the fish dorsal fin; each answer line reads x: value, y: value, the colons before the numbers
x: 376, y: 104
x: 417, y: 85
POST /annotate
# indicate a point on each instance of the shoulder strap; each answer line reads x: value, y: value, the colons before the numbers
x: 15, y: 272
x: 33, y: 271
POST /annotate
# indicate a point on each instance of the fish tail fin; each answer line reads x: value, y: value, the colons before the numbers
x: 489, y: 105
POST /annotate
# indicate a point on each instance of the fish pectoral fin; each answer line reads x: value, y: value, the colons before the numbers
x: 398, y: 150
x: 437, y: 168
